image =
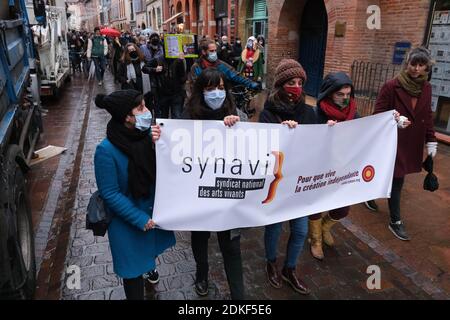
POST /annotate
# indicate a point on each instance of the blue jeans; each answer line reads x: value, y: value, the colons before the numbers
x: 299, y: 232
x: 100, y: 66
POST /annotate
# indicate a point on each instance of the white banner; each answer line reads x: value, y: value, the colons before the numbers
x: 211, y: 177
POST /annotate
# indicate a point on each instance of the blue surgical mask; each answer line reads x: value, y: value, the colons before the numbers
x: 214, y: 98
x: 212, y: 56
x: 143, y: 121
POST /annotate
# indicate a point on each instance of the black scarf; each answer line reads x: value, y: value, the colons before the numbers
x: 138, y: 147
x: 200, y: 111
x: 283, y: 109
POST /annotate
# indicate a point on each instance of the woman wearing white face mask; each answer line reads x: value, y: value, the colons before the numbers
x: 210, y: 101
x: 251, y: 62
x: 125, y: 173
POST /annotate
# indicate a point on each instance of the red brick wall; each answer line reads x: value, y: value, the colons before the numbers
x: 400, y: 21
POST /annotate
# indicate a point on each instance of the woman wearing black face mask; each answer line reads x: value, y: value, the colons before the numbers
x: 154, y: 43
x: 154, y: 49
x: 236, y: 52
x: 130, y: 73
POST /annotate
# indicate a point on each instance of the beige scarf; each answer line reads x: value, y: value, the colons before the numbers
x: 412, y: 86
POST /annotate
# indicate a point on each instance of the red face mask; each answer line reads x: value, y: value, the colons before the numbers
x: 294, y: 92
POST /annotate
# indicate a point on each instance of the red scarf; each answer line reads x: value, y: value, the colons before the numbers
x: 250, y: 54
x: 207, y: 64
x: 333, y: 112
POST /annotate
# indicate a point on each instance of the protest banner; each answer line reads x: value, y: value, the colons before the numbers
x: 211, y: 177
x: 174, y: 44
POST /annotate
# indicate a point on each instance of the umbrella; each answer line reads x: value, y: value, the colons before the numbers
x: 147, y: 31
x: 110, y: 32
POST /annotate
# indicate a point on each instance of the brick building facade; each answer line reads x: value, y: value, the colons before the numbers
x: 288, y: 37
x: 324, y: 35
x: 332, y: 35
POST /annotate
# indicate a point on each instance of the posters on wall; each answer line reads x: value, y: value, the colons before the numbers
x: 439, y: 46
x: 441, y: 17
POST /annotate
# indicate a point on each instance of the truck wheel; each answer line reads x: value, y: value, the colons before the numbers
x: 21, y: 238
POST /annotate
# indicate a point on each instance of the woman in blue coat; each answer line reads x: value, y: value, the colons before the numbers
x: 125, y: 172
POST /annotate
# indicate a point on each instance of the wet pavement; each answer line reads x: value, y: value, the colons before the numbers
x: 61, y: 188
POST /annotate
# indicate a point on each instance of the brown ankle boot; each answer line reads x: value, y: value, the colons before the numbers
x: 315, y: 233
x: 327, y: 224
x: 273, y: 275
x: 290, y: 276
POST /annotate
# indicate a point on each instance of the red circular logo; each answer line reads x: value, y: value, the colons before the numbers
x: 368, y: 173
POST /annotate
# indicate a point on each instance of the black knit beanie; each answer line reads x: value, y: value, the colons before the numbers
x: 119, y: 103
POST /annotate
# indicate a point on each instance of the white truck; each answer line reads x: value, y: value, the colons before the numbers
x: 52, y: 46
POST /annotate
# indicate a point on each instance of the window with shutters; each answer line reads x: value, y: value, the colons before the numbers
x: 260, y: 9
x: 159, y: 18
x: 257, y: 19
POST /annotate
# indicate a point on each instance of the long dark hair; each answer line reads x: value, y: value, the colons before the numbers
x: 126, y: 55
x: 196, y: 105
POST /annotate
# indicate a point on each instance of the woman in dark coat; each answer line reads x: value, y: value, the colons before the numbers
x: 410, y: 94
x: 210, y: 100
x: 130, y: 73
x: 286, y: 105
x: 335, y: 103
x: 117, y: 49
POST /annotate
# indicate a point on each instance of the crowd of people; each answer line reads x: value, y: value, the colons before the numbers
x: 153, y: 86
x: 138, y: 61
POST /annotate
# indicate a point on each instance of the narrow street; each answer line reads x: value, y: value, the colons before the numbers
x: 61, y: 188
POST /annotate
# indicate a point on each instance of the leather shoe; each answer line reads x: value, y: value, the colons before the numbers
x: 201, y: 287
x: 290, y: 276
x: 273, y: 275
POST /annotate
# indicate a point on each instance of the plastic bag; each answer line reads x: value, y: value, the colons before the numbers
x: 91, y: 71
x: 431, y: 182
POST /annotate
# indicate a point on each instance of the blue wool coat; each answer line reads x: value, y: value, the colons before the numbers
x: 133, y: 250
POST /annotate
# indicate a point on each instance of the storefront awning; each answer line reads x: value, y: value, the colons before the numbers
x: 173, y: 17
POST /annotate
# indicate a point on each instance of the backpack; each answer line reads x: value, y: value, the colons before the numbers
x: 98, y: 216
